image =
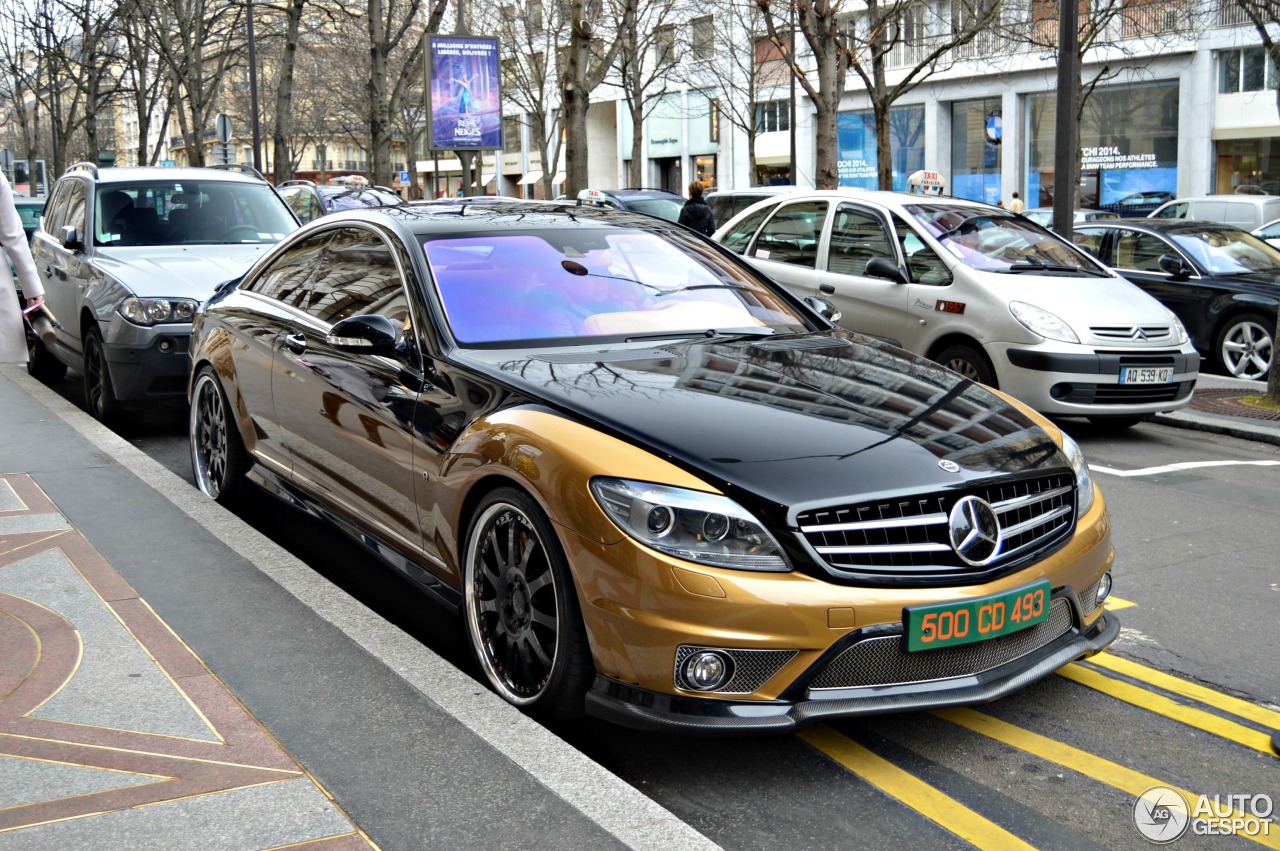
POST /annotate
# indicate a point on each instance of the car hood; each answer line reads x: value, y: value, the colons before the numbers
x: 177, y: 271
x: 1081, y: 302
x: 790, y: 422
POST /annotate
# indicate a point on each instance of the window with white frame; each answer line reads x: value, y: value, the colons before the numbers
x: 772, y: 116
x: 1245, y: 70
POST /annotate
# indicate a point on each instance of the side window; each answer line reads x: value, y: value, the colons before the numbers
x: 923, y: 263
x: 75, y: 213
x: 856, y: 237
x: 739, y: 238
x: 358, y: 275
x: 303, y: 204
x: 286, y: 279
x: 56, y: 209
x: 1173, y: 211
x: 1140, y: 251
x: 1089, y: 240
x: 791, y: 236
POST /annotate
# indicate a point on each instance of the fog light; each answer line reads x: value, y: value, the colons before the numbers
x: 707, y: 670
x: 1104, y: 587
x: 166, y: 345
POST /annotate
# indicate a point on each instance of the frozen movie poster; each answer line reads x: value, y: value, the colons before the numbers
x: 466, y: 102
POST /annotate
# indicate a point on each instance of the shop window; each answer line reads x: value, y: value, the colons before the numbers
x: 1245, y: 70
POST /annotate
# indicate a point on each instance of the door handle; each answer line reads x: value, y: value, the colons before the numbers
x: 827, y: 288
x: 296, y: 343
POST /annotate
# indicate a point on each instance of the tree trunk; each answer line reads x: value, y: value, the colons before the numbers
x: 635, y: 170
x: 827, y: 173
x: 281, y: 158
x: 574, y: 102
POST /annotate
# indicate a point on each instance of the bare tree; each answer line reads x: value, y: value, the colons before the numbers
x: 142, y: 82
x: 527, y: 41
x: 746, y: 62
x: 649, y: 52
x: 23, y: 73
x: 586, y: 60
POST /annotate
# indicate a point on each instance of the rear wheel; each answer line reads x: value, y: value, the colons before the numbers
x: 521, y: 609
x: 42, y: 365
x: 99, y: 395
x: 218, y: 457
x: 969, y: 362
x: 1246, y: 344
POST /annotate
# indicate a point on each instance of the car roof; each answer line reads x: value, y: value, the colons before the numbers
x: 1173, y: 226
x: 135, y: 174
x: 885, y: 198
x: 624, y: 194
x: 514, y: 215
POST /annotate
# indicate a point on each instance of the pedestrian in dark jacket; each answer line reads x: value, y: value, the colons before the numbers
x: 697, y: 212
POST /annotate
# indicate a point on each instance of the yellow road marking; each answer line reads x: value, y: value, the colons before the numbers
x: 1115, y: 604
x: 1234, y: 705
x: 1100, y: 769
x: 912, y: 791
x: 1162, y: 705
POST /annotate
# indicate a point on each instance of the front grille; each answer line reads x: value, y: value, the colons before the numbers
x: 1153, y: 333
x: 1089, y: 598
x: 751, y: 668
x: 910, y: 536
x: 886, y: 660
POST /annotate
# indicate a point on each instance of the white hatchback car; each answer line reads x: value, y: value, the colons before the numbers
x: 982, y: 291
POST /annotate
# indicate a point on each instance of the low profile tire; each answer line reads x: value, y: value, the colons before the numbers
x: 99, y: 395
x: 1116, y: 423
x: 41, y: 365
x: 969, y: 362
x: 218, y: 457
x: 1246, y: 345
x: 521, y: 609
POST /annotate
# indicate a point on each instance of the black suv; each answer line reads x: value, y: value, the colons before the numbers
x: 128, y: 254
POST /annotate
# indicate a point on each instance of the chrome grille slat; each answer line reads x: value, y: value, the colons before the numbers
x: 886, y: 661
x: 909, y: 536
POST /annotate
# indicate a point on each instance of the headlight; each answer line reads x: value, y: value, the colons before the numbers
x: 690, y: 525
x: 1178, y: 328
x: 157, y: 311
x: 1042, y: 322
x: 1084, y: 482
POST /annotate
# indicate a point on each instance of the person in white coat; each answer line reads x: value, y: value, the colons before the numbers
x: 13, y: 340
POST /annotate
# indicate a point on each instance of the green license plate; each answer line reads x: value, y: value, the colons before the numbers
x: 949, y: 624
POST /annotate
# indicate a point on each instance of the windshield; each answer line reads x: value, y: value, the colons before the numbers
x: 992, y: 241
x: 1228, y: 252
x: 663, y: 208
x: 352, y: 199
x: 189, y: 212
x: 577, y: 286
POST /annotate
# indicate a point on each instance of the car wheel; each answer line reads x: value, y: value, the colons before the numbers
x: 99, y: 395
x: 969, y: 362
x: 218, y: 457
x: 1116, y: 423
x: 1246, y: 344
x: 41, y: 364
x: 521, y: 609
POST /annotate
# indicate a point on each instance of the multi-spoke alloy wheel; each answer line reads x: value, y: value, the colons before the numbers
x: 217, y: 456
x: 99, y: 395
x: 1246, y: 346
x: 521, y: 610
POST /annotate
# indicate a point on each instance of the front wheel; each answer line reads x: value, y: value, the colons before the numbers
x: 41, y: 364
x: 218, y: 458
x: 521, y: 609
x: 1246, y: 345
x: 969, y: 362
x: 99, y: 394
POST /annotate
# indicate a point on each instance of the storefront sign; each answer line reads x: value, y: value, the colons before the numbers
x: 1112, y: 156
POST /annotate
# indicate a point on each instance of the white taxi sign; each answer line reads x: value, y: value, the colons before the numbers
x: 927, y: 182
x: 591, y: 196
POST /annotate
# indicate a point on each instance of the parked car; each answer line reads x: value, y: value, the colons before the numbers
x: 1223, y: 283
x: 1243, y: 211
x: 1140, y: 203
x: 128, y: 254
x: 29, y: 210
x: 1270, y: 232
x: 727, y: 203
x: 981, y: 290
x: 566, y: 422
x: 309, y: 200
x: 1043, y: 216
x: 655, y: 202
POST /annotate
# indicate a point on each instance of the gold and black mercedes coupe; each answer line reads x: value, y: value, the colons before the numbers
x: 659, y: 488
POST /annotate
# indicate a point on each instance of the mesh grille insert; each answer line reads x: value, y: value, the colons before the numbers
x: 886, y: 661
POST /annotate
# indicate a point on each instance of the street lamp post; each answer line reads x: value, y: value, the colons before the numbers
x: 253, y: 90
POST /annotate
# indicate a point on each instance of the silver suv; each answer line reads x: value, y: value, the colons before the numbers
x: 128, y: 254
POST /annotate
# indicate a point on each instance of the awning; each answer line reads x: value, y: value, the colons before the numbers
x: 428, y: 166
x: 559, y: 178
x: 484, y: 180
x: 773, y: 148
x: 531, y: 177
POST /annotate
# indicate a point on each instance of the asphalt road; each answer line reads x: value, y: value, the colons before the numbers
x: 1187, y: 697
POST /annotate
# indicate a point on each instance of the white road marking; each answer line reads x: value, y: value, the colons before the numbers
x: 1183, y: 465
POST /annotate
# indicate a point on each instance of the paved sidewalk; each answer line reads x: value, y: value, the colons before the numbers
x: 170, y: 679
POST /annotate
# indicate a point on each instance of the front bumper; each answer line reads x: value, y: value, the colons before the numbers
x: 1085, y: 382
x: 147, y: 364
x: 638, y: 708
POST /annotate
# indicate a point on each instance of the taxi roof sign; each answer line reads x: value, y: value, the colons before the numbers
x: 928, y: 182
x: 591, y: 196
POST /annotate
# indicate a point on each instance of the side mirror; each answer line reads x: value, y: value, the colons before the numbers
x: 823, y: 308
x: 372, y: 334
x: 1174, y: 265
x: 71, y: 238
x: 883, y: 267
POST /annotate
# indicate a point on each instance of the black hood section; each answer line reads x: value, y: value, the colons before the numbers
x: 789, y: 422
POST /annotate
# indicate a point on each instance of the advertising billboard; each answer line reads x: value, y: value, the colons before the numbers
x: 466, y: 100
